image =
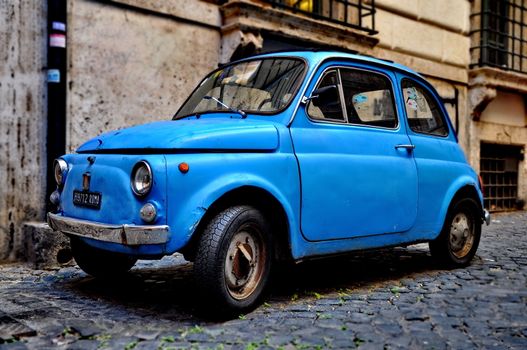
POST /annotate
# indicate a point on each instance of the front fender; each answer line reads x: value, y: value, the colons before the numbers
x: 212, y: 176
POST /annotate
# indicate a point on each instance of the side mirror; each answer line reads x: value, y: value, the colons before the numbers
x: 325, y: 96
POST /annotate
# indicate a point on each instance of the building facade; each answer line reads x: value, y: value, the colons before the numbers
x: 76, y: 68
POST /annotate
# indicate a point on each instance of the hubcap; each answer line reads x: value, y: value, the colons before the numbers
x: 244, y: 263
x: 461, y: 235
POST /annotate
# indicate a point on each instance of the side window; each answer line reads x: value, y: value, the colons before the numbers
x: 422, y: 110
x: 368, y: 98
x: 330, y: 110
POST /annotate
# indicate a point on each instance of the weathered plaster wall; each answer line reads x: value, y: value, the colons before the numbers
x: 507, y: 108
x: 430, y: 36
x: 128, y: 66
x: 22, y: 119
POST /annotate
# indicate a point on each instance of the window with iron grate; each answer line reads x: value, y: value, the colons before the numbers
x: 358, y: 14
x: 499, y: 34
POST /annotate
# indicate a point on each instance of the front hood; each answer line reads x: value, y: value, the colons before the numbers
x: 216, y: 134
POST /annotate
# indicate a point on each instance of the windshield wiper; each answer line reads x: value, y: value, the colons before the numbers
x: 235, y: 110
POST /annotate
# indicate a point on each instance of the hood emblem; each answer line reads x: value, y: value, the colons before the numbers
x: 86, y: 177
x: 91, y: 160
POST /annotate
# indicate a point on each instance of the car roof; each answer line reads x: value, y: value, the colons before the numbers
x: 316, y: 56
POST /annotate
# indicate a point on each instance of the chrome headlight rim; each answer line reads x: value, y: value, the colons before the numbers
x: 137, y: 166
x: 60, y: 170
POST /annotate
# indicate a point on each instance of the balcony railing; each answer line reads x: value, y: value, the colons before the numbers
x: 499, y: 34
x: 357, y: 14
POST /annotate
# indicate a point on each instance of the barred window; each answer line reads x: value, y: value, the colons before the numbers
x: 499, y: 34
x: 358, y: 14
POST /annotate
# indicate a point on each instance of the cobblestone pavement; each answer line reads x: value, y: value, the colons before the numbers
x: 394, y: 298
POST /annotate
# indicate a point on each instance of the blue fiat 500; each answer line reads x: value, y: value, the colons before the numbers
x: 277, y: 157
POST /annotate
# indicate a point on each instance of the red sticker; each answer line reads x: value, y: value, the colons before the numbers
x: 57, y: 40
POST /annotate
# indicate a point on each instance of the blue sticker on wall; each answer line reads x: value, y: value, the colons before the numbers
x: 59, y: 26
x: 53, y: 76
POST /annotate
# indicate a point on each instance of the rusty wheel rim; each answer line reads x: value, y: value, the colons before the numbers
x: 245, y: 262
x: 461, y: 235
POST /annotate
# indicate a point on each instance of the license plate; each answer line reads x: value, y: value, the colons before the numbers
x: 87, y: 199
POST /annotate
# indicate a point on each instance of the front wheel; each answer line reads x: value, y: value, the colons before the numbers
x: 233, y: 260
x: 459, y: 238
x: 100, y: 263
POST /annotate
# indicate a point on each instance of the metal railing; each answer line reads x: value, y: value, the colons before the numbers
x: 357, y: 14
x: 499, y: 34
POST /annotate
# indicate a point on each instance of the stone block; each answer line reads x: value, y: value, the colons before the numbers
x: 45, y: 248
x: 452, y: 14
x: 409, y: 36
x: 409, y: 7
x: 456, y: 49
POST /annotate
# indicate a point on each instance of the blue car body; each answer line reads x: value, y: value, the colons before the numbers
x: 340, y: 187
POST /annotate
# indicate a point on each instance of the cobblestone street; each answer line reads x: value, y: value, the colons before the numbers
x: 395, y: 298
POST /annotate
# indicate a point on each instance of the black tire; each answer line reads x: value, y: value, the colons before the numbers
x: 459, y: 238
x: 100, y: 263
x: 233, y: 261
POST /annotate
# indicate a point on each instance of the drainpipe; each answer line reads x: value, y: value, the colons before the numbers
x: 56, y: 81
x: 454, y: 101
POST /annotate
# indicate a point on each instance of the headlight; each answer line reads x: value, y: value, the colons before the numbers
x: 142, y: 178
x: 60, y: 169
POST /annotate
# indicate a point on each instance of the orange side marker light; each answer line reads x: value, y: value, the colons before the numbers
x: 183, y: 167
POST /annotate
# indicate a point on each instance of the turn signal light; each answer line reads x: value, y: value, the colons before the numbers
x: 183, y: 167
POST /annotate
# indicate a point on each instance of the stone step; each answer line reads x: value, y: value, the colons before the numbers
x: 45, y: 248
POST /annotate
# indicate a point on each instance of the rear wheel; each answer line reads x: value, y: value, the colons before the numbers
x: 100, y: 263
x: 233, y: 260
x: 459, y: 238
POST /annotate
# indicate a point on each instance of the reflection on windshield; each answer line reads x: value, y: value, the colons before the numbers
x: 257, y: 86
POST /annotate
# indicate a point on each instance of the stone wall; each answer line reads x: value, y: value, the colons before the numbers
x: 22, y: 119
x: 132, y: 62
x: 432, y: 38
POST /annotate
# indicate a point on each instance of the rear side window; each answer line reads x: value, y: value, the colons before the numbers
x: 422, y: 110
x: 368, y: 98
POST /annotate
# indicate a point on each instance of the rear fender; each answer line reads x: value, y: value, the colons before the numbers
x: 453, y: 190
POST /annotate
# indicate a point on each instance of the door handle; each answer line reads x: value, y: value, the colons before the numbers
x: 408, y: 147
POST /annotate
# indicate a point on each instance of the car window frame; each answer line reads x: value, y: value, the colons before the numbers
x: 442, y: 112
x: 339, y: 89
x: 343, y: 104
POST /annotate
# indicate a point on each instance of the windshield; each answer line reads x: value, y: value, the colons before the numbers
x: 261, y: 86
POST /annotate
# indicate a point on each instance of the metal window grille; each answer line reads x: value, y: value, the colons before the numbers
x: 499, y: 34
x: 499, y: 172
x: 357, y: 14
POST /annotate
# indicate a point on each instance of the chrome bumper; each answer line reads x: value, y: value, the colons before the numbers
x: 123, y: 234
x: 486, y: 216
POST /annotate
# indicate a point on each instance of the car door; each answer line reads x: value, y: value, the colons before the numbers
x: 358, y: 175
x: 437, y: 156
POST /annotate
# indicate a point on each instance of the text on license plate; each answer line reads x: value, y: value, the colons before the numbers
x: 87, y: 199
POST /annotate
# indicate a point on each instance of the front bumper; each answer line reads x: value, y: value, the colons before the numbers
x: 130, y: 235
x: 486, y: 216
